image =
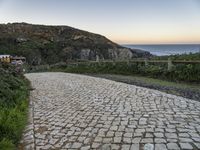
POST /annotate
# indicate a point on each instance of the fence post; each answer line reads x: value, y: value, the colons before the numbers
x: 169, y: 64
x: 146, y: 62
x: 128, y: 62
x: 113, y: 62
x: 97, y: 58
x: 48, y: 67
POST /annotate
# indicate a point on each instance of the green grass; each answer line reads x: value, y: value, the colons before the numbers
x: 13, y: 107
x: 7, y: 144
x: 151, y: 81
x: 191, y: 91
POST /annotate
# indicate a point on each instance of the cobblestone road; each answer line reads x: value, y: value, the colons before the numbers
x: 69, y: 111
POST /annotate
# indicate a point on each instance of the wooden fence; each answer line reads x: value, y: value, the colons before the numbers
x: 169, y: 62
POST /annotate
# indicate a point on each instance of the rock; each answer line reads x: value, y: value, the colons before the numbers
x: 172, y: 146
x: 85, y: 54
x: 76, y: 145
x: 148, y: 147
x: 160, y: 147
x: 143, y: 121
x: 21, y: 40
x: 186, y: 146
x: 135, y: 147
x: 159, y: 134
x: 147, y: 140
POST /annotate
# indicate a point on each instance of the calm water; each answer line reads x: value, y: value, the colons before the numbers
x: 161, y: 50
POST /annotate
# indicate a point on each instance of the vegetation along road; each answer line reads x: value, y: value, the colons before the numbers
x: 70, y: 111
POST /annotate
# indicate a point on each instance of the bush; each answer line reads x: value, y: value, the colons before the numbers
x: 6, y: 144
x: 13, y: 106
x: 179, y: 72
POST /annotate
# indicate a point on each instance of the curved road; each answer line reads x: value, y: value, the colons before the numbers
x: 69, y: 111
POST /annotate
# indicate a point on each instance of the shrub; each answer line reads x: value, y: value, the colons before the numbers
x: 179, y: 72
x: 6, y: 144
x: 13, y: 106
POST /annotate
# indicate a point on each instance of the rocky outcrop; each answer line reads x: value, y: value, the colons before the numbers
x: 53, y: 44
x: 85, y: 54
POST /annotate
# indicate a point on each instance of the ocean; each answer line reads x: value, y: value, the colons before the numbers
x: 168, y: 49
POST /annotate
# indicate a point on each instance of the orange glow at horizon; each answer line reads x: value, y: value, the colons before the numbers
x: 192, y: 36
x: 161, y: 40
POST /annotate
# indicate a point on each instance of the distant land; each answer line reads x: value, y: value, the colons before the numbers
x: 167, y: 49
x: 42, y: 44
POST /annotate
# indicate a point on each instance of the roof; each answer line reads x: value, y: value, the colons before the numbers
x: 3, y: 56
x: 19, y: 57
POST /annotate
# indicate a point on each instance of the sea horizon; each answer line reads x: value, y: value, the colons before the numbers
x: 166, y: 49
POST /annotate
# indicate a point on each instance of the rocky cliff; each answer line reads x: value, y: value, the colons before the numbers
x: 51, y: 44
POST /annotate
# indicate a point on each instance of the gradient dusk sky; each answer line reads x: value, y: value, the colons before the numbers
x: 123, y: 21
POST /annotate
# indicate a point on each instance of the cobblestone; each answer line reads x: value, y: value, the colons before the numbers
x: 69, y: 111
x: 186, y: 146
x: 172, y: 146
x: 160, y: 147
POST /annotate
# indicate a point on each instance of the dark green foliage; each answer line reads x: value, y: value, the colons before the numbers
x: 6, y: 144
x: 184, y: 72
x: 191, y: 56
x: 13, y: 106
x: 179, y: 72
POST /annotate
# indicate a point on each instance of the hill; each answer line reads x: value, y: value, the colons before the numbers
x: 51, y: 44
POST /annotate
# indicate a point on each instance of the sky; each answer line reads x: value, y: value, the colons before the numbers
x: 122, y: 21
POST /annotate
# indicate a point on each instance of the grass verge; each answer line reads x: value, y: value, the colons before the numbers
x: 191, y: 91
x: 13, y: 107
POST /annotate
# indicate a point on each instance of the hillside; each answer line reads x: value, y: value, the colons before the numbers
x: 51, y: 44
